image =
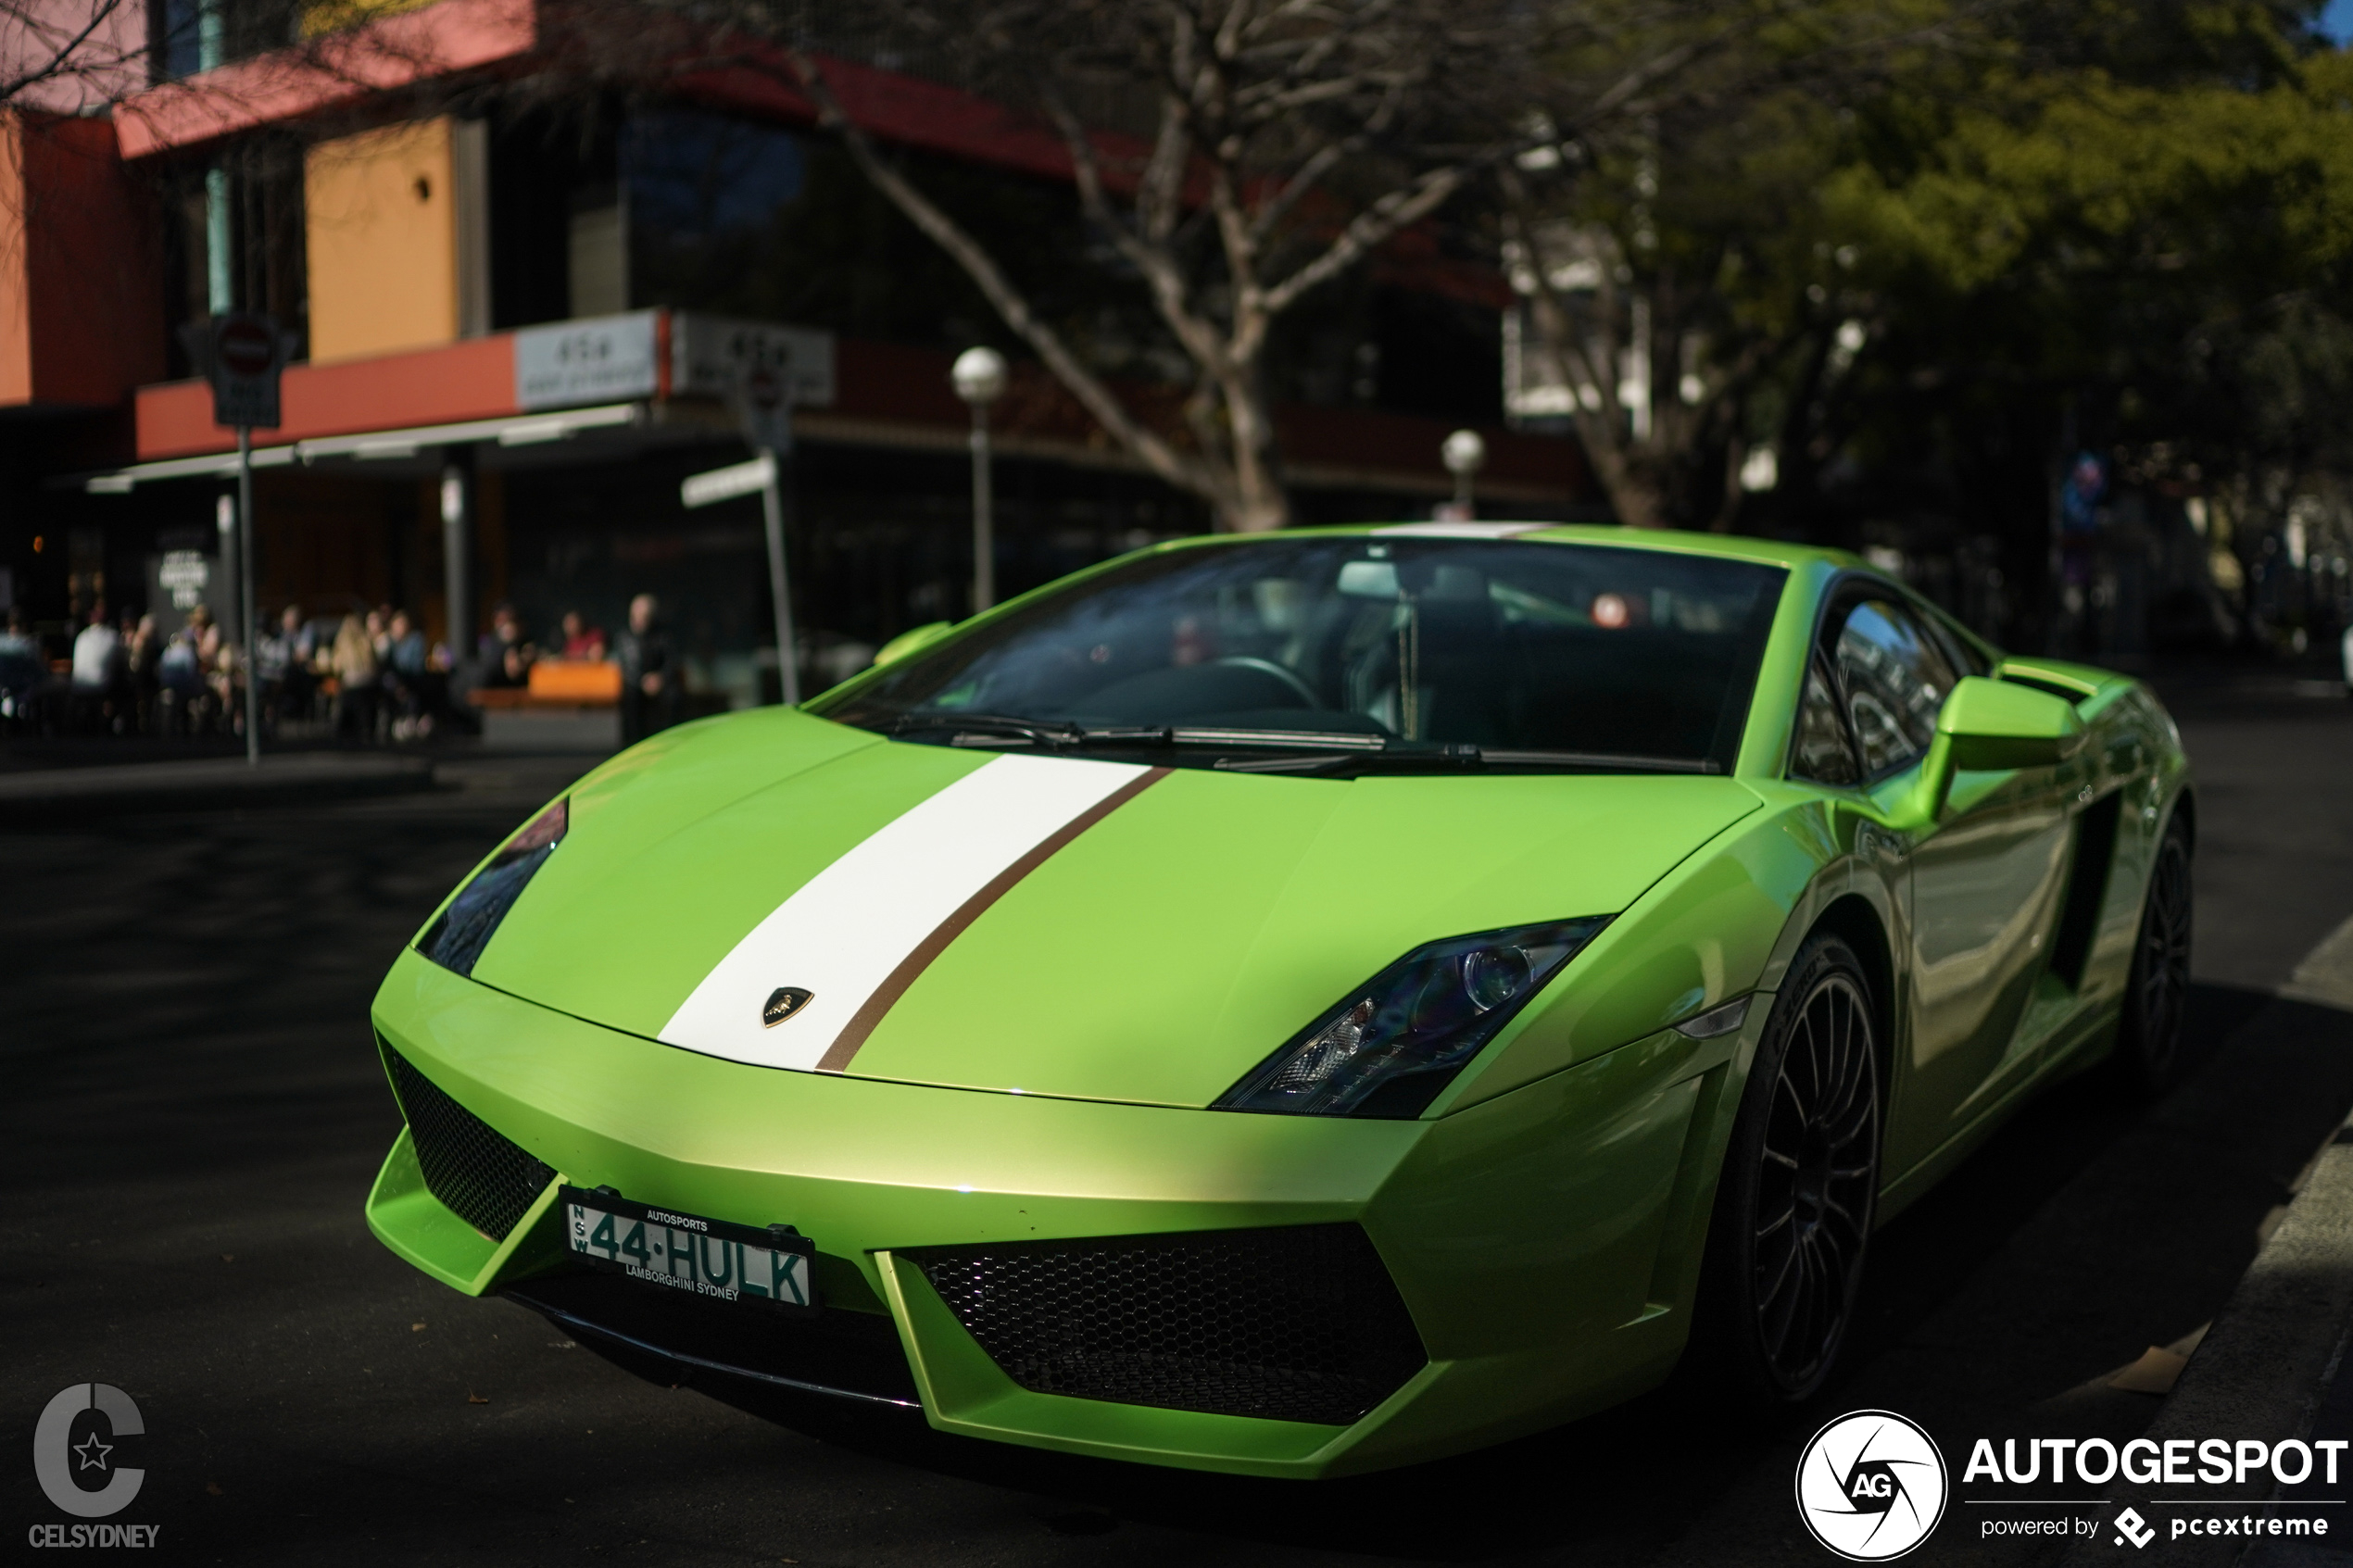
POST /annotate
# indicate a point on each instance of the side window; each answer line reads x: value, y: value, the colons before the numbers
x: 1959, y: 650
x: 1824, y: 754
x: 1895, y: 677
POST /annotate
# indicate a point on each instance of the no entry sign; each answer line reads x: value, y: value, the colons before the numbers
x: 247, y: 354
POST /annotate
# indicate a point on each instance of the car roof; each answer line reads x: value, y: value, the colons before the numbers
x: 1729, y: 546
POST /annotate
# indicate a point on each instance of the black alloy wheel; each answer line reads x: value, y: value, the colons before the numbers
x: 2149, y: 1042
x: 1800, y: 1187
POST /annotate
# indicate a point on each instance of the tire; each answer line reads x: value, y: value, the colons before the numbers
x: 2149, y: 1041
x: 1799, y: 1187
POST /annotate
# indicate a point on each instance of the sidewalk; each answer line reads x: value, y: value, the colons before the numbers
x: 2272, y: 1367
x: 34, y: 796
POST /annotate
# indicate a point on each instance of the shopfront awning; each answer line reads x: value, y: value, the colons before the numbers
x: 516, y: 429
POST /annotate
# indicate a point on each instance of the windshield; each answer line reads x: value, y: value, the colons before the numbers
x: 1453, y: 652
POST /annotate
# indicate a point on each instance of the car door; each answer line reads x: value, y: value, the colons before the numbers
x: 1985, y: 877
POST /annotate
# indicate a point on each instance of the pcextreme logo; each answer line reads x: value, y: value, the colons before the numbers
x: 1872, y: 1485
x: 83, y: 1478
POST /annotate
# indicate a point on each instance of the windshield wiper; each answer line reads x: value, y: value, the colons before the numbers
x: 1323, y: 752
x: 1391, y: 756
x: 986, y: 728
x: 1279, y: 740
x: 1424, y: 757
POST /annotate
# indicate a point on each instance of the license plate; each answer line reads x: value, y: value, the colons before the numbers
x: 712, y: 1258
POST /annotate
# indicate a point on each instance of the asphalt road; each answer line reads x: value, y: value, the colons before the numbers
x: 194, y: 1112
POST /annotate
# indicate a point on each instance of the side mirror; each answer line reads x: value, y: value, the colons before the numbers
x: 908, y: 642
x: 1987, y: 724
x: 2001, y: 724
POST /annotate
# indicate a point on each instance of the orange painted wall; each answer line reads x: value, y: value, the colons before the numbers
x: 81, y: 291
x: 16, y: 287
x: 383, y: 230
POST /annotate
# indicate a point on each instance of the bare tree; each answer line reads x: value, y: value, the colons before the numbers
x: 70, y: 55
x: 1648, y: 357
x: 1234, y: 156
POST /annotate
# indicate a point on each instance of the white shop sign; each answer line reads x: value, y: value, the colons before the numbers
x: 185, y: 575
x: 596, y: 361
x: 708, y: 356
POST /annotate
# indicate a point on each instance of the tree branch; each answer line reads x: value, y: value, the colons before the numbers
x: 1155, y: 453
x: 1162, y: 275
x: 1371, y: 228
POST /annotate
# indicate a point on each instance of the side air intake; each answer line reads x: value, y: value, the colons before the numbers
x: 485, y: 1179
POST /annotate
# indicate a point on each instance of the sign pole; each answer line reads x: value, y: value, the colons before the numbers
x: 984, y: 516
x: 979, y: 375
x: 771, y: 500
x: 244, y: 355
x: 763, y: 405
x: 764, y: 473
x: 245, y: 584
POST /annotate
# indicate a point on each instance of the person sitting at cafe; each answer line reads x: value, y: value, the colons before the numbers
x: 282, y: 663
x: 580, y: 639
x: 97, y: 653
x: 99, y: 669
x: 411, y: 683
x: 357, y: 682
x: 144, y: 654
x: 216, y: 657
x: 507, y: 652
x: 183, y: 671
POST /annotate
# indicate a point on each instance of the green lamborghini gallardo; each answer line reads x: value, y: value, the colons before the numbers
x: 1292, y: 1005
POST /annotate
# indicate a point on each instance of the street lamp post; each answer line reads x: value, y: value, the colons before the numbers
x: 1464, y: 454
x: 979, y: 378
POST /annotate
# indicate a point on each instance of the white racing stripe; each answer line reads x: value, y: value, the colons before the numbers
x: 850, y: 927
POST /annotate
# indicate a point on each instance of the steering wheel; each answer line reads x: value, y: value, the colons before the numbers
x: 1305, y: 693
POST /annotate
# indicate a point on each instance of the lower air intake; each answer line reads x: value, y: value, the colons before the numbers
x: 485, y: 1179
x: 1299, y: 1323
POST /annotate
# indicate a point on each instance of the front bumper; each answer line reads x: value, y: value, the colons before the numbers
x: 1541, y: 1241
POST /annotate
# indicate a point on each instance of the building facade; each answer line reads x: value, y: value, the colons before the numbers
x: 515, y: 324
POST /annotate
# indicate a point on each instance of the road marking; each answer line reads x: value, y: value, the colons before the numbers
x: 2326, y: 973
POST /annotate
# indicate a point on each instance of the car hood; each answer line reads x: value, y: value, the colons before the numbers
x: 781, y: 890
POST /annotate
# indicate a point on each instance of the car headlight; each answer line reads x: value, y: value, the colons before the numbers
x: 1395, y: 1041
x: 455, y: 941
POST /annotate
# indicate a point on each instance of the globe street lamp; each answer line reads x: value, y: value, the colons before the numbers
x: 1464, y: 454
x: 979, y: 379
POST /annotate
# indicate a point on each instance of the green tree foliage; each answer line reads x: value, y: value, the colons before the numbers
x: 1904, y: 279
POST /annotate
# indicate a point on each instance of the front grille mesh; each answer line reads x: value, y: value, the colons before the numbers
x: 487, y: 1181
x: 1298, y: 1323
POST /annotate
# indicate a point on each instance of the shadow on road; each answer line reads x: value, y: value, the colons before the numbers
x: 2091, y: 1226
